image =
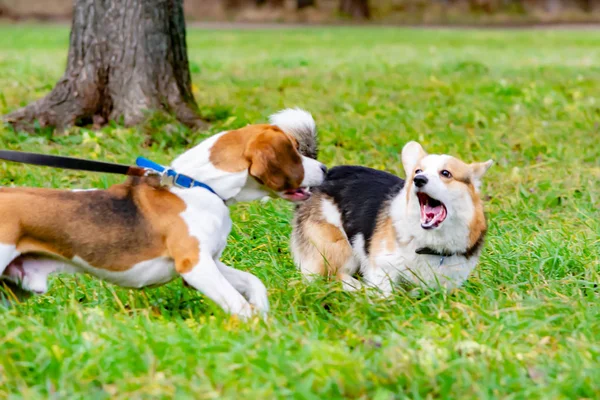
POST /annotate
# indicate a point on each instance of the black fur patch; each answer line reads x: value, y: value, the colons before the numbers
x: 105, y: 208
x: 360, y: 193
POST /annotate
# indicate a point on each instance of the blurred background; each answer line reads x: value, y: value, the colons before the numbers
x: 446, y: 12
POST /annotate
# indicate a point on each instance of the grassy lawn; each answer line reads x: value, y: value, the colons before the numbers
x: 526, y: 325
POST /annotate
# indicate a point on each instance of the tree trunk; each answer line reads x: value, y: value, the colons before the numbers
x: 125, y: 57
x: 271, y: 3
x: 236, y: 4
x: 591, y: 5
x: 357, y: 9
x: 300, y: 4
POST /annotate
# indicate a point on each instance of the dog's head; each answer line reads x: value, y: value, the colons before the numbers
x: 259, y: 160
x: 256, y: 161
x: 445, y: 188
x: 276, y: 164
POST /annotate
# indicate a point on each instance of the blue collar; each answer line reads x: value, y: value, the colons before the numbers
x: 171, y: 176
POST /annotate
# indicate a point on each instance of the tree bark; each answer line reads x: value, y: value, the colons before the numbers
x: 271, y: 3
x: 236, y: 4
x: 357, y: 9
x: 300, y: 4
x: 126, y: 57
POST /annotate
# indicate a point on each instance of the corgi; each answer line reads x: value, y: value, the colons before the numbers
x: 426, y: 231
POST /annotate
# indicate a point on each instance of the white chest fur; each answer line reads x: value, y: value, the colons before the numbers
x: 424, y: 270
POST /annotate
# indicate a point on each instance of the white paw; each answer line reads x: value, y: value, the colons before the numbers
x: 35, y: 284
x: 244, y: 313
x: 257, y: 296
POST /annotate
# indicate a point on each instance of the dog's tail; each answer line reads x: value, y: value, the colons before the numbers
x: 301, y: 125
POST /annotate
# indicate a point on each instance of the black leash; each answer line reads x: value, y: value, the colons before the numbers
x: 71, y: 163
x: 145, y: 167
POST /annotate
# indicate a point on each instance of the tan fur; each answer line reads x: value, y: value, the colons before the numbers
x: 384, y: 236
x: 462, y: 174
x: 478, y: 224
x: 324, y: 247
x: 459, y: 170
x: 411, y: 162
x: 271, y: 156
x: 409, y: 183
x: 331, y: 244
x: 228, y: 152
x: 112, y: 229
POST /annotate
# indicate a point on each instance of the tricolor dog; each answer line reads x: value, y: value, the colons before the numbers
x: 141, y: 234
x: 426, y: 231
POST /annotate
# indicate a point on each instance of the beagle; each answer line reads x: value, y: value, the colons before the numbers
x: 140, y: 233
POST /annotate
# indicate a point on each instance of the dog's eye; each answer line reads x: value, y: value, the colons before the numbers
x: 446, y: 174
x: 418, y: 171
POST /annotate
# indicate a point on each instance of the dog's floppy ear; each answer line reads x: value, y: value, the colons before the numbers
x: 274, y: 161
x: 412, y: 153
x: 478, y: 170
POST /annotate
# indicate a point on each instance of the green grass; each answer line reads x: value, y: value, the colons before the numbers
x: 526, y: 325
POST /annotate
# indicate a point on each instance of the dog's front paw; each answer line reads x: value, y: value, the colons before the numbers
x: 257, y: 297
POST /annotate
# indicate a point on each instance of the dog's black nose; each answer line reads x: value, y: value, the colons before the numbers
x: 420, y: 180
x: 323, y: 168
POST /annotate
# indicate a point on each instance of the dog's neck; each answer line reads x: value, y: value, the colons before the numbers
x: 196, y: 163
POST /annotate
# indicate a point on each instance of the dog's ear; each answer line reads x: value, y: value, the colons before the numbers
x: 478, y: 170
x: 412, y: 153
x: 274, y: 161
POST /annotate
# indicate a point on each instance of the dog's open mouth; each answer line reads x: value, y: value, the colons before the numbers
x: 299, y: 194
x: 433, y: 212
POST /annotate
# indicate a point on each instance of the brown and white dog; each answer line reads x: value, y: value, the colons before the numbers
x: 426, y: 231
x: 140, y: 234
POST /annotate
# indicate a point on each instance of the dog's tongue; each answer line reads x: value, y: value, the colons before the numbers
x: 299, y: 194
x: 432, y: 216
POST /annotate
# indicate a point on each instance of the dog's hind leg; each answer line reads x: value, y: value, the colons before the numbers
x: 320, y: 248
x: 8, y: 252
x: 10, y: 232
x: 31, y: 271
x: 248, y: 285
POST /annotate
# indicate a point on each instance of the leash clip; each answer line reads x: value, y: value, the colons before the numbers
x: 164, y: 179
x: 167, y: 179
